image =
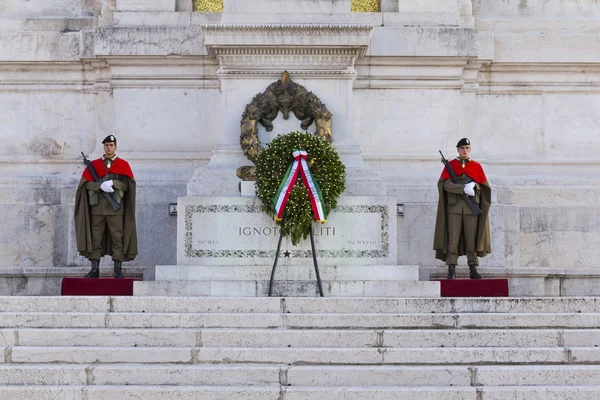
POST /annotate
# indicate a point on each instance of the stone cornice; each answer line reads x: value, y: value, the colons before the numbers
x: 308, y: 49
x: 94, y: 75
x: 305, y: 29
x: 534, y: 78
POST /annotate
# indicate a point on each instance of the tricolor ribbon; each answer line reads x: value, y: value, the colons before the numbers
x: 299, y: 166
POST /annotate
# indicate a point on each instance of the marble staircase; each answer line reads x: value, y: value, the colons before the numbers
x: 92, y: 348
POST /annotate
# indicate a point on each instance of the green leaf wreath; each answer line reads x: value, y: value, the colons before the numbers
x: 325, y: 166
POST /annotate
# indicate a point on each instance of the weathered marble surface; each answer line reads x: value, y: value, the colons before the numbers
x: 146, y: 5
x: 43, y: 7
x: 521, y: 81
x: 286, y: 6
x: 287, y: 288
x: 235, y: 231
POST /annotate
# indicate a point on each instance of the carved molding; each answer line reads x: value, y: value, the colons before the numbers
x: 304, y: 29
x: 310, y: 48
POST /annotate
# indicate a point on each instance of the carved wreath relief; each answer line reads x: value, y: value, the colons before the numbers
x: 285, y: 96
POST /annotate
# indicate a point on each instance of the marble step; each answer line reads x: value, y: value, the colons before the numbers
x: 299, y: 321
x: 298, y: 393
x: 298, y: 305
x: 300, y: 355
x: 300, y: 288
x: 276, y: 375
x: 229, y: 337
x: 286, y: 272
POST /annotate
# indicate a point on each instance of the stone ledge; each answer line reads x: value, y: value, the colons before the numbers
x: 149, y: 41
x: 425, y: 42
x: 46, y: 281
x: 45, y: 23
x: 260, y: 288
x: 531, y: 282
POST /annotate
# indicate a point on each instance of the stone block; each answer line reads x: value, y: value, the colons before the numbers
x: 327, y: 376
x: 426, y: 41
x: 389, y: 6
x: 42, y: 392
x: 358, y: 321
x: 149, y: 41
x: 541, y: 393
x: 29, y: 240
x: 287, y: 272
x: 195, y: 305
x: 174, y: 111
x: 33, y: 375
x: 107, y: 337
x: 287, y: 6
x: 288, y: 338
x: 528, y: 320
x: 402, y: 289
x: 171, y: 288
x: 427, y: 6
x: 538, y: 375
x: 182, y: 393
x: 289, y: 356
x: 7, y: 337
x: 460, y: 356
x: 422, y: 19
x: 41, y: 7
x: 152, y: 18
x: 39, y: 46
x: 220, y: 320
x: 288, y: 288
x: 470, y: 338
x: 53, y: 320
x: 45, y: 23
x: 54, y: 304
x: 51, y: 131
x: 100, y: 355
x: 381, y: 393
x: 537, y: 9
x: 183, y: 375
x: 247, y: 189
x: 145, y: 5
x: 585, y: 355
x: 581, y: 338
x: 184, y: 5
x: 235, y: 231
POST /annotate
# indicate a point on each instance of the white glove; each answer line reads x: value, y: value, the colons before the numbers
x: 469, y: 188
x: 107, y: 187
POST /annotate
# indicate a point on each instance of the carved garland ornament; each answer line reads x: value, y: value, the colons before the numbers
x: 285, y: 96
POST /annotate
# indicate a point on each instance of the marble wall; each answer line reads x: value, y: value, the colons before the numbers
x: 521, y: 79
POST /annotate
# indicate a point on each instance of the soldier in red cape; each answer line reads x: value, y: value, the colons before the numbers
x: 100, y: 230
x: 458, y: 231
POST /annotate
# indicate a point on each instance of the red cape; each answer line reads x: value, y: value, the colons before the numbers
x: 472, y: 169
x: 119, y: 167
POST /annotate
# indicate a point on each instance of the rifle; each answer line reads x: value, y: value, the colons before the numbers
x: 113, y: 203
x: 474, y: 207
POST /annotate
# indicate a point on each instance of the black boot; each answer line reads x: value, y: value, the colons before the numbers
x: 473, y: 272
x: 451, y: 271
x: 95, y: 271
x: 118, y: 270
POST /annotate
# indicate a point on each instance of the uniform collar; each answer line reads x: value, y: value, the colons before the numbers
x: 463, y: 161
x: 106, y: 158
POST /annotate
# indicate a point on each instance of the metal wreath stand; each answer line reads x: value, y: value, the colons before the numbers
x: 314, y: 256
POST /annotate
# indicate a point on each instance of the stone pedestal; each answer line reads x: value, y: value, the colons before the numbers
x: 251, y: 57
x: 235, y: 231
x: 226, y: 246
